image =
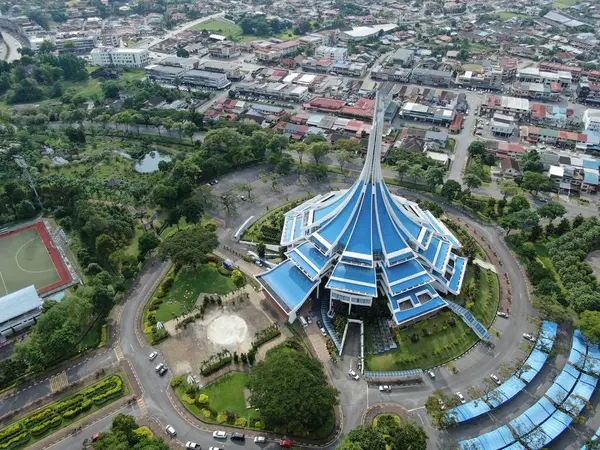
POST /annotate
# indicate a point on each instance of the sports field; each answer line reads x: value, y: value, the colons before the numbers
x: 28, y: 257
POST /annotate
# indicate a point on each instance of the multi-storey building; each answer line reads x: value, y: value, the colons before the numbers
x: 431, y: 77
x: 333, y: 53
x: 134, y: 58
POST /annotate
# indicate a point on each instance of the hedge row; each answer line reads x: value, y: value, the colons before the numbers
x: 38, y: 418
x: 103, y: 386
x: 45, y: 426
x: 16, y: 441
x: 103, y: 336
x: 69, y: 404
x: 103, y: 398
x: 87, y: 404
x: 9, y: 432
x: 216, y: 366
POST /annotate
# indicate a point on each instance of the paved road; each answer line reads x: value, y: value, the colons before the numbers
x: 464, y: 139
x: 12, y: 46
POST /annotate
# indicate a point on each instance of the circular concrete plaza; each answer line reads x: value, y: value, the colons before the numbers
x: 227, y: 330
x: 384, y: 408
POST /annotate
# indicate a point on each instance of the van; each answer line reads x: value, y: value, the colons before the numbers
x: 303, y: 322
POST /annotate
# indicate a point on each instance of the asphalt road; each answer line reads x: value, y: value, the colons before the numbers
x: 12, y: 46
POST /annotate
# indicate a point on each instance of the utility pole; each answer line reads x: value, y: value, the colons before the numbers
x: 23, y: 165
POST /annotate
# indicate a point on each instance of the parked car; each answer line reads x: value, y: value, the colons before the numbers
x: 529, y: 337
x: 260, y: 440
x: 353, y: 375
x: 319, y: 324
x: 285, y: 443
x: 323, y: 332
x: 219, y: 434
x: 385, y: 388
x: 496, y: 379
x: 159, y: 367
x: 461, y: 398
x: 431, y: 374
x: 153, y: 356
x: 163, y: 370
x: 170, y: 431
x: 503, y: 314
x: 238, y: 437
x: 308, y: 319
x: 95, y: 437
x: 192, y: 446
x: 215, y: 448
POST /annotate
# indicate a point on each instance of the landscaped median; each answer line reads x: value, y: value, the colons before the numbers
x: 52, y: 417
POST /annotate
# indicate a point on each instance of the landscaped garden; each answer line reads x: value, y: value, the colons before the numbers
x: 269, y: 227
x: 226, y: 400
x: 63, y: 412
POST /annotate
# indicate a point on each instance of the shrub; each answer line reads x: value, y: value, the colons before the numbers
x: 225, y: 272
x: 241, y: 422
x: 221, y: 418
x: 238, y: 278
x: 414, y: 337
x: 10, y: 431
x: 259, y: 425
x: 212, y: 368
x: 189, y: 400
x: 103, y: 336
x: 69, y: 404
x: 203, y: 399
x: 206, y: 413
x: 15, y: 441
x: 168, y: 283
x: 38, y: 418
x: 144, y: 432
x: 45, y: 426
x: 176, y: 381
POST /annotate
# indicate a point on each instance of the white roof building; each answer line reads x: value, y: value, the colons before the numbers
x: 18, y: 310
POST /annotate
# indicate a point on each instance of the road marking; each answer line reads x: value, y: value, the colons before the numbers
x: 119, y: 353
x: 416, y: 409
x: 143, y: 408
x: 58, y: 382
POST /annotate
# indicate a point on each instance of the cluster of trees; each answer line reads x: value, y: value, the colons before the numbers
x: 258, y: 25
x: 38, y: 76
x: 389, y: 433
x: 189, y: 247
x: 126, y: 434
x: 16, y: 202
x: 416, y: 166
x: 292, y: 393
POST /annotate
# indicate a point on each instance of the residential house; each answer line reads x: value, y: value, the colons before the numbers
x: 510, y: 168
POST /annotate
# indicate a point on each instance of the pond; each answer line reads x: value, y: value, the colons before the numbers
x: 150, y: 162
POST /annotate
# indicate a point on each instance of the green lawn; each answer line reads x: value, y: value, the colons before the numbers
x: 234, y: 31
x: 227, y: 394
x: 443, y: 345
x: 132, y: 74
x: 565, y: 4
x: 187, y: 286
x: 486, y: 306
x: 92, y: 338
x: 505, y: 15
x: 90, y: 87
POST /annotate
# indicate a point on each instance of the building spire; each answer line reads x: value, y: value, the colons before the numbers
x: 371, y: 172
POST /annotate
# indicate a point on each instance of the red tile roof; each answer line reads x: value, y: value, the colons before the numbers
x: 456, y: 122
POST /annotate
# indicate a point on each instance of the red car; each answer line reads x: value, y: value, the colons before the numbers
x: 285, y: 443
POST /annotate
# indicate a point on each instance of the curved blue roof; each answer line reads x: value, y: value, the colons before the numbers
x: 373, y: 238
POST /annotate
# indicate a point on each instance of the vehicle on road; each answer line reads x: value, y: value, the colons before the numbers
x: 238, y: 437
x: 496, y: 379
x: 323, y: 332
x: 285, y: 443
x: 353, y: 375
x: 163, y: 370
x: 219, y: 434
x: 170, y: 431
x: 260, y: 440
x: 192, y: 446
x: 308, y: 319
x: 215, y: 448
x: 431, y: 374
x: 153, y: 356
x: 461, y: 398
x: 95, y: 437
x: 385, y: 388
x: 529, y: 337
x: 319, y: 324
x: 159, y: 367
x: 503, y: 314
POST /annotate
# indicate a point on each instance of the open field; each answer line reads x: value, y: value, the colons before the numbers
x: 234, y: 31
x: 505, y: 15
x: 27, y: 257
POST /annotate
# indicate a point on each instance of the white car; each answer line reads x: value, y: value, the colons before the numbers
x: 153, y: 356
x: 529, y: 337
x: 503, y: 314
x: 159, y: 367
x: 461, y: 398
x: 431, y: 374
x: 220, y: 435
x: 385, y: 388
x: 215, y: 448
x: 192, y: 446
x: 323, y: 332
x: 353, y: 375
x: 496, y: 379
x: 170, y: 430
x: 260, y: 440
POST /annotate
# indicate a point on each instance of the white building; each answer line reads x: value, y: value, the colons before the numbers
x: 134, y: 58
x: 19, y: 310
x: 591, y: 119
x: 334, y: 53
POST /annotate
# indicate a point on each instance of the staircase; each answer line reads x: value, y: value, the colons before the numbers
x: 471, y: 321
x: 329, y: 326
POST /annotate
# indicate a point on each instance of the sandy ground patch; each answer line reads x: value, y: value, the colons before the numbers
x: 594, y: 259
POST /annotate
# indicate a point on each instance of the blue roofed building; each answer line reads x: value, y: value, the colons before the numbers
x: 365, y: 243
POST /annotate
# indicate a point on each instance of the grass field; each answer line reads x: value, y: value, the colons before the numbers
x: 565, y: 4
x: 187, y: 286
x: 505, y: 15
x: 234, y: 31
x: 227, y: 394
x: 24, y: 260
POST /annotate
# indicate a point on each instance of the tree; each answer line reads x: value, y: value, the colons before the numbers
x: 351, y: 146
x: 343, y: 158
x: 476, y: 148
x: 192, y: 209
x: 182, y: 52
x: 245, y: 187
x: 189, y: 247
x: 189, y: 128
x: 260, y: 250
x: 147, y: 241
x: 451, y: 190
x: 518, y: 203
x: 535, y: 182
x: 318, y: 150
x: 434, y: 176
x: 521, y: 219
x: 111, y: 89
x: 402, y: 168
x: 238, y: 278
x: 164, y: 196
x: 125, y: 434
x: 549, y: 308
x: 589, y: 324
x: 229, y: 202
x: 292, y: 392
x: 105, y: 245
x: 408, y: 436
x: 364, y: 437
x: 508, y: 188
x: 532, y: 162
x: 415, y: 171
x: 552, y: 211
x: 472, y: 181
